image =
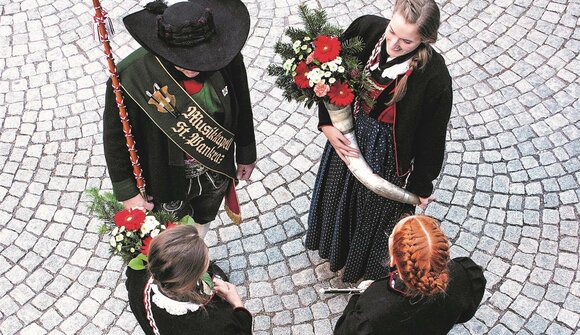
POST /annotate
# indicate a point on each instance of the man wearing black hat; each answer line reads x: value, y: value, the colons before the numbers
x: 187, y: 96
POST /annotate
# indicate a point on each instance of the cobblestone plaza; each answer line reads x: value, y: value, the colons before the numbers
x: 508, y: 194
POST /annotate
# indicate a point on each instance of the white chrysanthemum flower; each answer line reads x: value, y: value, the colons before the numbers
x: 119, y: 237
x: 119, y: 247
x: 122, y: 229
x: 296, y: 46
x: 154, y: 233
x: 132, y: 250
x: 112, y: 241
x: 315, y: 75
x: 306, y: 39
x: 341, y: 69
x: 115, y: 231
x: 331, y: 81
x: 327, y: 74
x: 324, y: 66
x: 288, y: 65
x: 129, y: 233
x: 338, y: 60
x: 149, y: 224
x: 332, y: 66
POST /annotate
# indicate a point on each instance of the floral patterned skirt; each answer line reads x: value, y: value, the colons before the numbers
x: 349, y: 224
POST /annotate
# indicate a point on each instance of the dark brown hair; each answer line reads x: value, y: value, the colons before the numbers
x: 420, y: 251
x: 177, y: 259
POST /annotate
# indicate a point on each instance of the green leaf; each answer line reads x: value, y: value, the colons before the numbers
x: 138, y: 263
x: 187, y: 220
x: 207, y: 283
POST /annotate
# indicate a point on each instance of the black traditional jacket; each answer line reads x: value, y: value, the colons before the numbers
x: 422, y: 115
x: 164, y: 176
x: 382, y: 310
x: 215, y: 318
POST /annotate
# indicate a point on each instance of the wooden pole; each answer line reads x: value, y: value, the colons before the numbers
x: 100, y: 19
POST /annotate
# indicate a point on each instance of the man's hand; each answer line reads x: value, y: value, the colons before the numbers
x: 245, y: 171
x: 138, y: 201
x: 339, y: 143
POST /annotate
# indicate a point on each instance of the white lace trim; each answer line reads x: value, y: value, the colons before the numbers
x: 395, y: 70
x: 172, y: 307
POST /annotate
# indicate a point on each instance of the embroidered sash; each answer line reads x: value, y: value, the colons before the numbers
x: 179, y: 115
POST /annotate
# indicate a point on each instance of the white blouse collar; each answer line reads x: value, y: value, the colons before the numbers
x: 393, y: 71
x: 172, y: 307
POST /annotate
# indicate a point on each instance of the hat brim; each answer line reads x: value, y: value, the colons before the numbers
x: 232, y: 25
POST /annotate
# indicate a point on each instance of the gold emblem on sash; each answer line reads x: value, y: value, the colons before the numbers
x: 161, y: 99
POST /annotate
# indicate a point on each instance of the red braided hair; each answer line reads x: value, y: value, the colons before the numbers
x: 420, y: 250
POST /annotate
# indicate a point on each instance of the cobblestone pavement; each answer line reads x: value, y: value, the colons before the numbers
x: 508, y: 194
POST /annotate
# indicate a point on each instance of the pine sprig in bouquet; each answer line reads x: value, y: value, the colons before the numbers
x: 130, y: 230
x: 318, y: 67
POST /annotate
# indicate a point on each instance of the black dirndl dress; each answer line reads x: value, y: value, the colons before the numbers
x: 349, y: 224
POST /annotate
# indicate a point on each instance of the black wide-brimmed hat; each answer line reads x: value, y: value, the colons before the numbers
x: 200, y: 35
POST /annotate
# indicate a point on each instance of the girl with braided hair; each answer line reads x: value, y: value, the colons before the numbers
x: 402, y: 137
x: 424, y: 293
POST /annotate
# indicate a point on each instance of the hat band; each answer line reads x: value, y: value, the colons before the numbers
x: 190, y: 34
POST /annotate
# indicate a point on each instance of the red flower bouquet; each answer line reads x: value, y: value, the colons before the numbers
x: 318, y: 66
x: 130, y: 231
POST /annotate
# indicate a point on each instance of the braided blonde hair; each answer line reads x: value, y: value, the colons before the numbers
x: 420, y: 251
x: 424, y: 14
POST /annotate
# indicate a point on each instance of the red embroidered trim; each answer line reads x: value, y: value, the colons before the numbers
x: 147, y: 302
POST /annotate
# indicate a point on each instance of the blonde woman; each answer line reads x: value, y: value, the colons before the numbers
x: 402, y: 137
x: 425, y: 292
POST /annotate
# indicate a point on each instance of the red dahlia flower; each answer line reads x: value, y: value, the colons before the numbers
x: 300, y: 77
x: 131, y: 219
x: 326, y: 48
x: 340, y: 94
x: 145, y: 247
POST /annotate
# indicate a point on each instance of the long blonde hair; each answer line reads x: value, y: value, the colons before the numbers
x: 424, y: 14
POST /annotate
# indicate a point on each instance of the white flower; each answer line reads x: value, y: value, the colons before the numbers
x: 338, y: 60
x: 113, y: 242
x: 315, y: 75
x: 154, y: 233
x: 331, y: 81
x: 324, y: 66
x: 132, y: 250
x: 119, y: 237
x: 288, y: 65
x: 327, y: 74
x: 121, y: 229
x: 332, y: 66
x: 306, y: 39
x: 119, y: 247
x: 341, y: 69
x: 129, y: 233
x: 115, y: 231
x: 304, y: 47
x: 296, y: 46
x: 149, y: 224
x: 309, y: 50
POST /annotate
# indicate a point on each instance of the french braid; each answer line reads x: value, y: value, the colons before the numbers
x: 421, y: 252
